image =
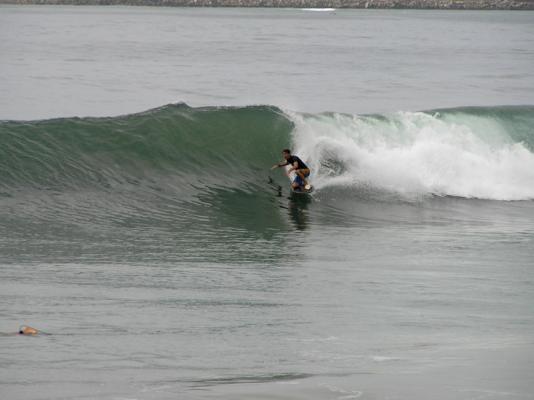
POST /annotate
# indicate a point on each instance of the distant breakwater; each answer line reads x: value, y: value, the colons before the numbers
x: 372, y: 4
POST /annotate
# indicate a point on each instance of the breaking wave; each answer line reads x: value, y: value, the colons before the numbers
x: 467, y: 152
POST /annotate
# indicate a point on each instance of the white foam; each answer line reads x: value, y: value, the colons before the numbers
x: 416, y: 153
x: 384, y: 358
x: 345, y: 394
x: 318, y: 9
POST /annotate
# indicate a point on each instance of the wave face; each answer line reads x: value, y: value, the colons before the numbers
x: 472, y: 152
x: 184, y: 147
x: 467, y: 152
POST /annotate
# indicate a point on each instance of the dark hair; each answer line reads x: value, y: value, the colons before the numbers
x: 286, y: 151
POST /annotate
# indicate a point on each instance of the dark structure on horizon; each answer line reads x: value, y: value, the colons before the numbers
x: 377, y: 4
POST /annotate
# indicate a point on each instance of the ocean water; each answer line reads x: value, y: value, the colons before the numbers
x: 143, y: 233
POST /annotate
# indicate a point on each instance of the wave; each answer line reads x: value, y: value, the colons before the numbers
x: 187, y: 148
x: 471, y: 152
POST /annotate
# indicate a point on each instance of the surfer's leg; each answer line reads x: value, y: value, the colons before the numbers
x: 303, y: 173
x: 298, y: 182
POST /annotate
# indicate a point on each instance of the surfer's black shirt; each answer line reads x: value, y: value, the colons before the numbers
x: 291, y: 161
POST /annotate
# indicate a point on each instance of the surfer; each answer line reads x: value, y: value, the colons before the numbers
x: 302, y: 171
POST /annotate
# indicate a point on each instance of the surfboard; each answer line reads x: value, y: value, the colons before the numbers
x: 302, y: 191
x: 291, y: 176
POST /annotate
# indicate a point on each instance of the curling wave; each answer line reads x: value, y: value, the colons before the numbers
x: 468, y: 152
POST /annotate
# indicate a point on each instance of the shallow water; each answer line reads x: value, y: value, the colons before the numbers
x: 160, y: 263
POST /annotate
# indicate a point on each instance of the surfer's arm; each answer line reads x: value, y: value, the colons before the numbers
x: 281, y: 164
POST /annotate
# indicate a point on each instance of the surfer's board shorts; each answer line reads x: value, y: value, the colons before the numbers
x: 298, y: 180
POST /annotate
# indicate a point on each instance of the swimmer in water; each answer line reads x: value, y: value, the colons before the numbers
x: 28, y: 331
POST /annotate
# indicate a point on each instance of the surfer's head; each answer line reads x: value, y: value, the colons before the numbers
x: 286, y: 153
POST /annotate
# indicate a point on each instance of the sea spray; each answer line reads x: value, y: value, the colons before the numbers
x: 471, y: 152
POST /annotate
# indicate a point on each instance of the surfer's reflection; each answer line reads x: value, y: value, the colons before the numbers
x: 297, y: 206
x: 298, y: 211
